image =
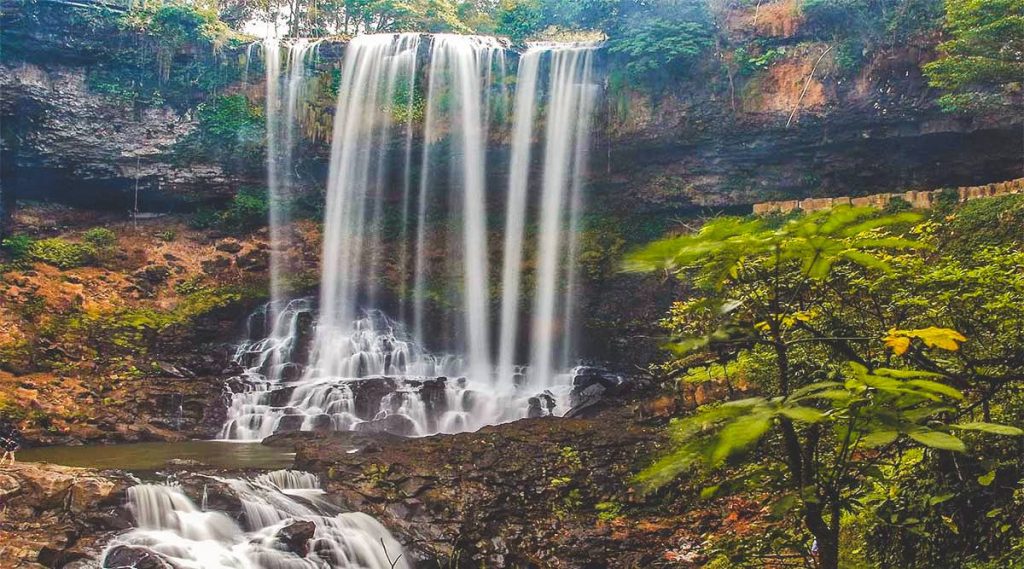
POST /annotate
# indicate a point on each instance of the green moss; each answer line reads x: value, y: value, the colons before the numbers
x: 189, y: 286
x: 231, y: 131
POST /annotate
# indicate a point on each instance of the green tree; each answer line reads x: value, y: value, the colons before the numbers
x: 983, y: 61
x: 833, y: 407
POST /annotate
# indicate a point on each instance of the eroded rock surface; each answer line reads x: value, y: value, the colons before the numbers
x: 542, y: 492
x: 57, y: 516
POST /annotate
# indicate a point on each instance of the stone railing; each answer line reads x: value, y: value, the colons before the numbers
x: 916, y: 199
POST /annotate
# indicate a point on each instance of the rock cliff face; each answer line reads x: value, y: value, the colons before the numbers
x: 793, y: 131
x: 74, y: 134
x: 879, y: 131
x: 66, y: 140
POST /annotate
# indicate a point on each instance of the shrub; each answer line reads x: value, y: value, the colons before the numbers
x: 248, y: 210
x: 61, y: 253
x: 100, y: 237
x: 168, y: 236
x: 11, y: 411
x: 897, y: 205
x: 17, y: 246
x: 204, y: 218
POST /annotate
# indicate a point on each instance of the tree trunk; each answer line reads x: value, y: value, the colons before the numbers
x: 826, y: 538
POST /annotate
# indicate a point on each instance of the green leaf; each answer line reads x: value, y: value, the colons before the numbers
x: 992, y: 428
x: 738, y: 435
x: 803, y: 414
x: 878, y: 438
x: 936, y: 387
x: 987, y: 479
x: 936, y: 500
x: 709, y: 492
x: 938, y: 440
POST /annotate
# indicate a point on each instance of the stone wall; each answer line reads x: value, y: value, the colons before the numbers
x: 917, y: 199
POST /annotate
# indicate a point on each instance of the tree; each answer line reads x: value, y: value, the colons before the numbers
x: 984, y: 59
x: 833, y: 406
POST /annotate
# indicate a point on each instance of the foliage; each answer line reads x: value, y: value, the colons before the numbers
x: 61, y: 253
x: 18, y: 247
x: 749, y: 63
x: 661, y: 45
x: 862, y: 341
x: 985, y: 56
x: 231, y: 130
x: 168, y: 235
x: 248, y: 210
x: 100, y: 237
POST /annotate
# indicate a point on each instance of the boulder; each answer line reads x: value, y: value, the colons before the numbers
x: 295, y: 537
x: 393, y: 424
x: 134, y: 557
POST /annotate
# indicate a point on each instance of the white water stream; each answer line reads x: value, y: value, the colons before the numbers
x: 189, y: 536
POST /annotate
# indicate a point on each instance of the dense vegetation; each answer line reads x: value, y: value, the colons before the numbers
x: 872, y: 374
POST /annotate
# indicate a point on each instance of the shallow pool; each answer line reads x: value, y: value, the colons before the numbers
x: 149, y: 457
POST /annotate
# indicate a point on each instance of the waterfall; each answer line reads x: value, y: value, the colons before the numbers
x: 415, y: 167
x: 169, y: 525
x: 362, y: 131
x: 566, y: 133
x: 281, y: 143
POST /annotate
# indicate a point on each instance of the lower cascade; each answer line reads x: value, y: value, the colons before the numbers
x: 390, y: 383
x: 283, y: 522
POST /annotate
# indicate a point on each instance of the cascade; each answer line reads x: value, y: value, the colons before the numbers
x: 281, y: 142
x: 169, y: 524
x: 417, y: 126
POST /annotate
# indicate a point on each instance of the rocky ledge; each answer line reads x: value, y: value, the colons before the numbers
x: 56, y: 516
x: 543, y: 492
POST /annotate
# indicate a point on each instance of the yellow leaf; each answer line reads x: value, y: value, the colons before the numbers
x: 899, y: 344
x: 942, y: 338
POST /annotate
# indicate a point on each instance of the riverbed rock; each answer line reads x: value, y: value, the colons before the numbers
x: 295, y: 537
x: 133, y: 557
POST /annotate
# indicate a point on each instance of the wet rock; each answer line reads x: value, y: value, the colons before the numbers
x: 393, y: 424
x: 229, y: 245
x: 174, y: 371
x: 56, y: 515
x: 295, y: 537
x: 291, y: 372
x: 289, y: 423
x: 304, y: 335
x: 369, y: 392
x: 133, y: 557
x: 541, y: 405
